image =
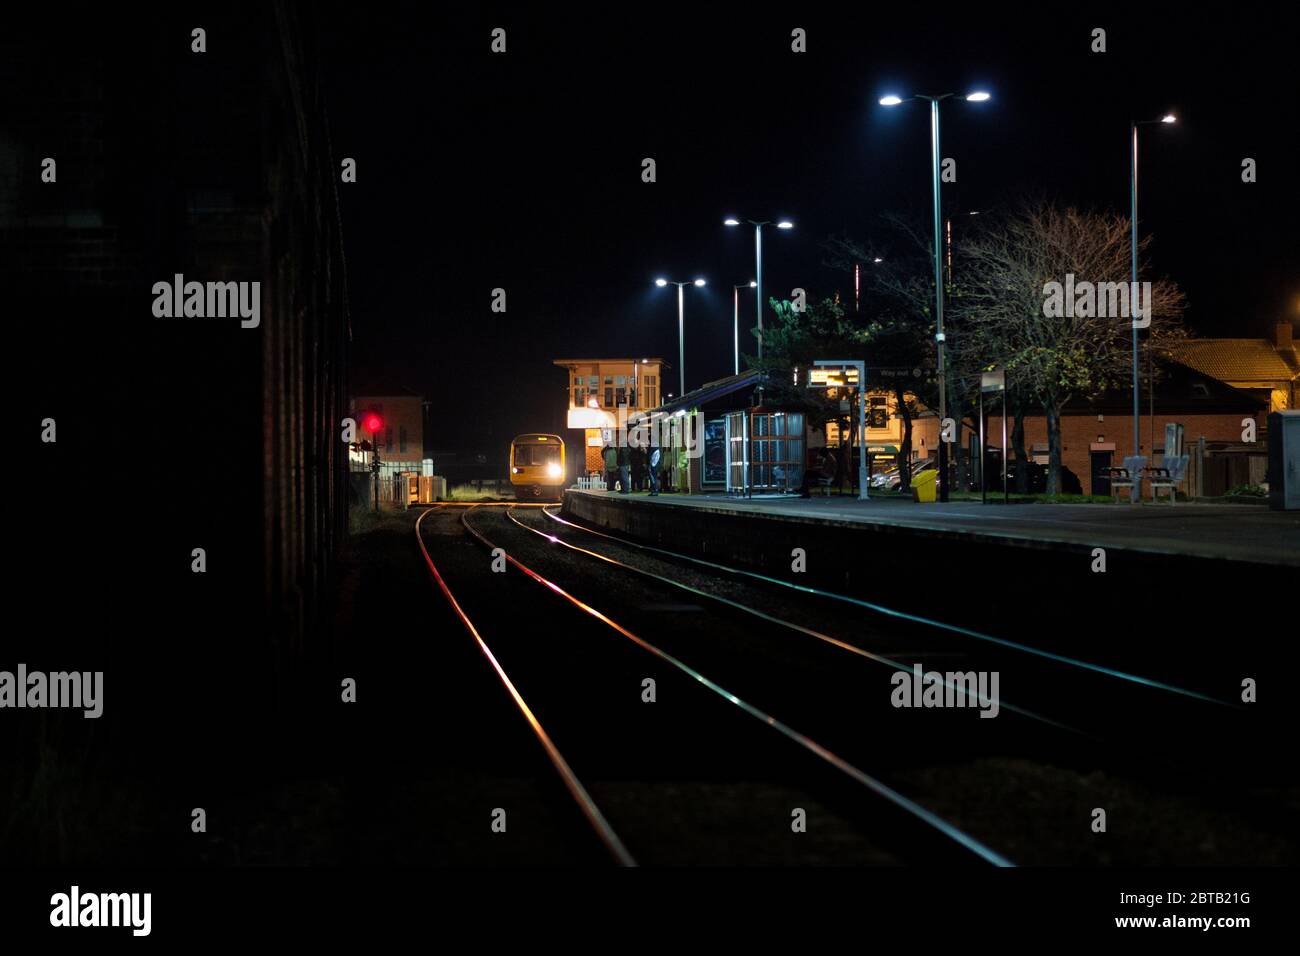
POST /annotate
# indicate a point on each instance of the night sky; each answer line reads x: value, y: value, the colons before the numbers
x: 523, y: 170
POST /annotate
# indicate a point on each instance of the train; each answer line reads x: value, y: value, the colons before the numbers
x: 537, y: 466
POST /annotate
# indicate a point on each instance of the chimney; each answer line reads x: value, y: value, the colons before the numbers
x: 1282, y: 335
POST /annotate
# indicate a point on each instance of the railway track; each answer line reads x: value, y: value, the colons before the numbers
x: 1134, y: 760
x: 887, y: 612
x: 710, y: 724
x: 604, y: 832
x: 1054, y: 689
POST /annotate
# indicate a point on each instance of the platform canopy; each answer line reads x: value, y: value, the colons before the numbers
x: 710, y: 392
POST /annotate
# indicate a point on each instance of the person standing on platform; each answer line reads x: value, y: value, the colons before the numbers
x: 653, y: 460
x: 610, y: 456
x: 830, y: 470
x: 638, y: 467
x: 624, y: 469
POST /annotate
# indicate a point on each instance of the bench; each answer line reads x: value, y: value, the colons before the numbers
x: 1168, y: 477
x: 1128, y: 476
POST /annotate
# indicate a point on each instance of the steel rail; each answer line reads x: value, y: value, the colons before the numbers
x: 963, y: 839
x: 902, y: 615
x: 791, y: 625
x: 571, y: 782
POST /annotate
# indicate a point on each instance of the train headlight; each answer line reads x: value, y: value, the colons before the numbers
x: 514, y: 471
x: 553, y: 470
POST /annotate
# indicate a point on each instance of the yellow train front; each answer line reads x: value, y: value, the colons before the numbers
x: 537, y: 466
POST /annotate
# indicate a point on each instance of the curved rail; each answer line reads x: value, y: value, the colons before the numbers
x: 571, y: 782
x: 791, y: 625
x: 878, y: 787
x: 902, y: 615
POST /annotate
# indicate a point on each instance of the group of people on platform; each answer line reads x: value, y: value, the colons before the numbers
x: 633, y: 467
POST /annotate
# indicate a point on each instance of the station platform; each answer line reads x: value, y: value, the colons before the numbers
x: 1236, y: 533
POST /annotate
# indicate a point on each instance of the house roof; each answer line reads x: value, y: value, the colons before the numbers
x: 1180, y: 390
x: 1241, y: 360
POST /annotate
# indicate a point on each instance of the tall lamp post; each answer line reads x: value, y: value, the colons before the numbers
x: 892, y: 100
x: 857, y: 282
x: 1168, y: 118
x: 681, y: 326
x: 758, y: 265
x: 735, y: 292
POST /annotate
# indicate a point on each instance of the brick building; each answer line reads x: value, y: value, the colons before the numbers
x: 400, y: 440
x: 219, y: 167
x: 1097, y: 434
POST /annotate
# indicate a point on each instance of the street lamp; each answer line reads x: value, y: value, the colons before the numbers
x: 681, y: 325
x: 857, y: 282
x: 977, y: 96
x: 735, y: 292
x: 1166, y: 120
x: 758, y: 264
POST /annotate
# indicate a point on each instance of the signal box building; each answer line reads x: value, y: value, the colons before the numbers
x: 598, y: 388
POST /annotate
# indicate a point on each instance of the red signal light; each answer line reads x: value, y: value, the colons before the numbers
x: 373, y: 423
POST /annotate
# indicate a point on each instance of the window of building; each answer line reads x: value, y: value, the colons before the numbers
x: 650, y: 386
x: 776, y: 451
x: 609, y: 395
x: 714, y: 470
x: 401, y: 439
x: 877, y: 411
x: 736, y: 471
x: 388, y: 438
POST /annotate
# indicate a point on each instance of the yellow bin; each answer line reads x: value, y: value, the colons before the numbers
x: 925, y: 486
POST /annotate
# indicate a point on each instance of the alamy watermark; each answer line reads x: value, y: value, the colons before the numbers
x: 664, y: 432
x: 76, y: 908
x: 1115, y: 300
x: 81, y: 690
x: 208, y: 300
x: 921, y: 688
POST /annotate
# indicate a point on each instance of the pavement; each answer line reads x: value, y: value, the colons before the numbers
x: 1234, y: 532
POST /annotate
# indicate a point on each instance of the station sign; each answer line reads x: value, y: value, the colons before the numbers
x: 833, y: 377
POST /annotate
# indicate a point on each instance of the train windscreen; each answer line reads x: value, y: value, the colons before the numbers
x: 536, y: 454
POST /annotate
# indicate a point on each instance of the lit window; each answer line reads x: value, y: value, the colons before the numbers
x: 878, y: 412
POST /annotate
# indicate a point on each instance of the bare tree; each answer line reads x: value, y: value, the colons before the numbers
x: 1057, y: 353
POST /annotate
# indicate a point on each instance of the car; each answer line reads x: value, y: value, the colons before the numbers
x: 890, y: 480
